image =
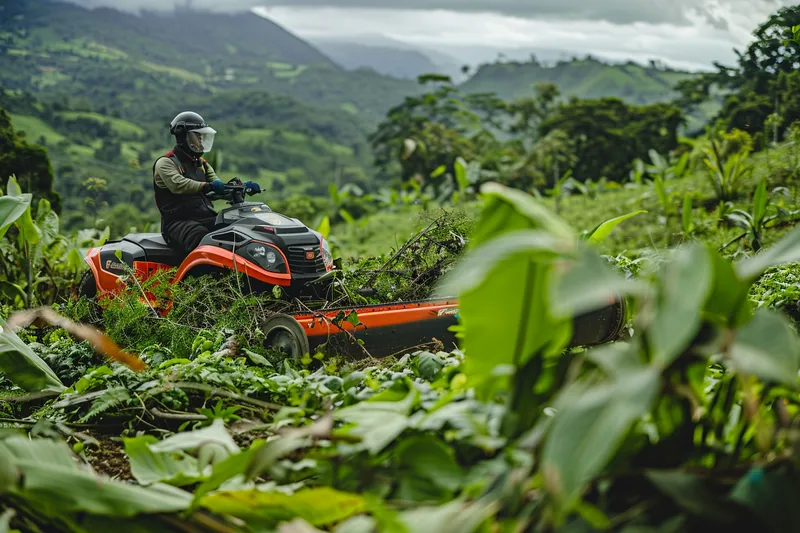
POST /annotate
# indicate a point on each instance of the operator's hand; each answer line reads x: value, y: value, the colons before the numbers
x: 216, y: 186
x: 252, y: 188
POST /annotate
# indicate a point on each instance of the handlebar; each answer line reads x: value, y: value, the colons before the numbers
x: 234, y: 192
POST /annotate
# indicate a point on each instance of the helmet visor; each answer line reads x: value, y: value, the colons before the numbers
x: 201, y: 140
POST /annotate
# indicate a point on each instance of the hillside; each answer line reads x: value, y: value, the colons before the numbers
x: 587, y: 78
x: 55, y: 48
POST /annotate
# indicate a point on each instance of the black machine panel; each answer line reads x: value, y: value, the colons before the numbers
x: 128, y: 253
x: 155, y: 248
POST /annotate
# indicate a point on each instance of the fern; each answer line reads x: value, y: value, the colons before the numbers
x: 108, y: 400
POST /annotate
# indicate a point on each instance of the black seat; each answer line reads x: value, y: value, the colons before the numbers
x: 155, y: 248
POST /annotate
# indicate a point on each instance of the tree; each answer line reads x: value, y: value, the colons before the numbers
x: 427, y: 131
x: 764, y: 82
x: 28, y: 162
x: 608, y: 135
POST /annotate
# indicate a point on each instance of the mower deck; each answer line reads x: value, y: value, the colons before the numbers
x: 392, y: 329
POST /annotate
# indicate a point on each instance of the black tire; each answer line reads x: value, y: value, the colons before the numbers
x: 87, y: 288
x: 284, y: 333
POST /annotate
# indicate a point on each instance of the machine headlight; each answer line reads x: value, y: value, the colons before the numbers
x: 266, y: 257
x: 327, y: 257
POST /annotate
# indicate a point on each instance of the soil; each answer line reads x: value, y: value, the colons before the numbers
x: 109, y: 458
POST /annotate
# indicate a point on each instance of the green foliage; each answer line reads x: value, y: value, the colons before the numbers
x: 27, y: 161
x: 762, y: 83
x: 38, y: 262
x: 610, y: 134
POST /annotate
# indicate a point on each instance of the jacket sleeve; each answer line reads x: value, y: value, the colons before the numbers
x: 168, y: 177
x: 210, y: 172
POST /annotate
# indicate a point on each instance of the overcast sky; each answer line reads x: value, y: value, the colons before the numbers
x: 684, y: 33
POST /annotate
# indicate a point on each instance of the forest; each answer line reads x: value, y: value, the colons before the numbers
x: 162, y: 407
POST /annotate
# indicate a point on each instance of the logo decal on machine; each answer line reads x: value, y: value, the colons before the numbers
x: 275, y: 221
x: 449, y: 312
x: 310, y: 255
x: 113, y: 265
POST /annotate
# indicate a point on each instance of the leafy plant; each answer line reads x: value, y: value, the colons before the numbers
x: 726, y: 172
x: 759, y: 218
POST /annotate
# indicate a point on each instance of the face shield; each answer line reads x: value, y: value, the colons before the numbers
x: 201, y: 140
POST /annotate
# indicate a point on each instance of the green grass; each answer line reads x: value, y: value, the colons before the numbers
x: 285, y: 70
x: 123, y: 128
x: 376, y: 234
x: 175, y: 72
x: 50, y: 77
x: 35, y: 129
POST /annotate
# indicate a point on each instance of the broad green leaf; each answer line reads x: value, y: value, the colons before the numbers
x: 29, y: 232
x: 333, y: 192
x: 273, y: 451
x: 13, y: 293
x: 686, y: 217
x: 11, y: 209
x: 429, y: 365
x: 728, y: 306
x: 604, y: 229
x: 319, y: 506
x: 428, y: 469
x: 231, y: 468
x: 508, y: 210
x: 439, y: 171
x: 686, y: 283
x: 785, y: 251
x: 461, y: 173
x: 148, y: 467
x: 378, y: 423
x: 481, y: 263
x: 663, y: 196
x: 53, y: 483
x: 504, y: 302
x: 616, y: 359
x: 453, y: 517
x: 346, y: 216
x: 75, y: 261
x: 5, y: 521
x: 692, y: 495
x: 195, y: 440
x: 22, y: 367
x: 768, y: 348
x: 771, y: 495
x: 325, y: 226
x: 588, y: 427
x: 760, y: 202
x: 588, y: 284
x: 13, y: 188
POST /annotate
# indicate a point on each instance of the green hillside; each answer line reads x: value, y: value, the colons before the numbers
x: 56, y: 49
x: 585, y: 78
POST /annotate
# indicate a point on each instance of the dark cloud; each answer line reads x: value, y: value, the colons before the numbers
x: 676, y: 12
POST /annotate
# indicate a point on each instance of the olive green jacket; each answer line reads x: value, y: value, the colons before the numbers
x: 167, y: 176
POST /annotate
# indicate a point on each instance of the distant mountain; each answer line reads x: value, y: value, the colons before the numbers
x: 387, y: 56
x: 583, y: 78
x: 382, y: 59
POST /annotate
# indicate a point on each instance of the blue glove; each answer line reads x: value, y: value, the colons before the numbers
x: 216, y: 186
x: 252, y: 188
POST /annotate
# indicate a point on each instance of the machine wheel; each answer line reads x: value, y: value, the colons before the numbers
x: 284, y: 333
x: 88, y: 288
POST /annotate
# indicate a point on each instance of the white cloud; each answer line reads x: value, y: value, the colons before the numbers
x: 693, y: 46
x: 684, y: 33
